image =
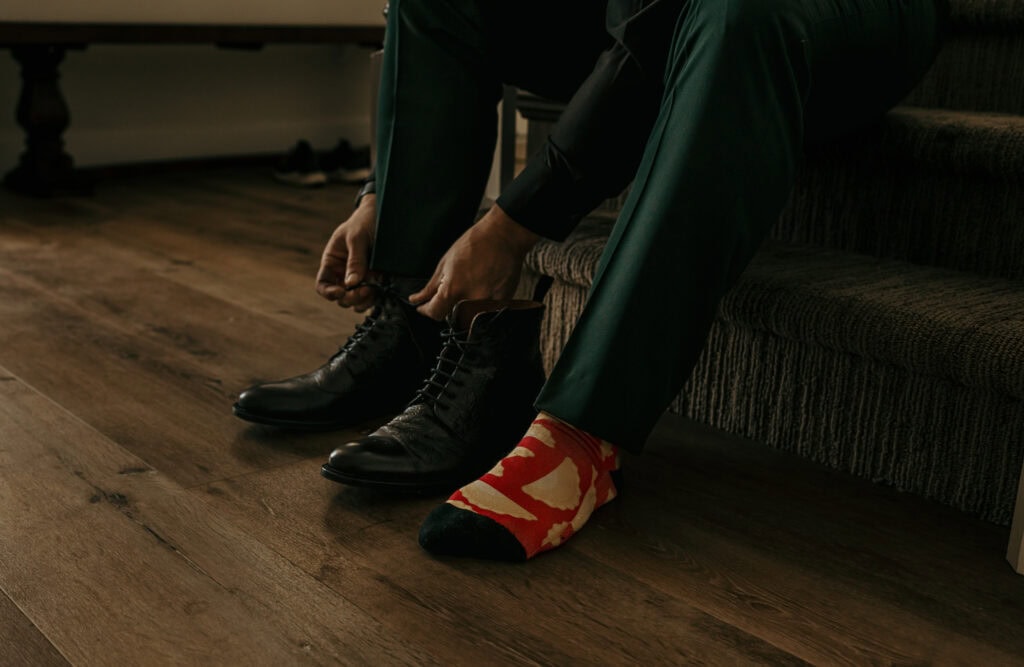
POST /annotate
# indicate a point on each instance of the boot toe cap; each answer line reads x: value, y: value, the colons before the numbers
x: 282, y: 404
x: 373, y: 455
x: 274, y: 399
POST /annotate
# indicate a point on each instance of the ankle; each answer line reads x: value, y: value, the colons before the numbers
x: 601, y: 453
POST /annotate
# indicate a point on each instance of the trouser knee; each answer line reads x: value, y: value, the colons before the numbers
x: 436, y: 17
x: 738, y: 27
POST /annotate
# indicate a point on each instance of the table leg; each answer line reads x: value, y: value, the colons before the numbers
x: 45, y: 169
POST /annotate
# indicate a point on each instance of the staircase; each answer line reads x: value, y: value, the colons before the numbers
x: 880, y: 330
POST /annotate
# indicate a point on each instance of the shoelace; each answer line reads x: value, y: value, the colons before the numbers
x: 366, y: 328
x: 450, y: 363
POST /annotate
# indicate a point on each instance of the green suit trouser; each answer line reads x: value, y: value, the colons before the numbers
x: 747, y: 84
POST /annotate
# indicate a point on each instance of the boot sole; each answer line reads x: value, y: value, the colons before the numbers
x: 294, y: 425
x: 419, y: 488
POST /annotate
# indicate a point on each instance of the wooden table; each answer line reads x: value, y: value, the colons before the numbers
x: 45, y: 167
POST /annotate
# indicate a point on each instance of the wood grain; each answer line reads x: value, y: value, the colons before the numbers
x: 115, y: 560
x: 141, y: 523
x: 352, y: 537
x: 21, y: 643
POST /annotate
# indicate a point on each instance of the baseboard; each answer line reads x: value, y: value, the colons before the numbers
x: 114, y: 146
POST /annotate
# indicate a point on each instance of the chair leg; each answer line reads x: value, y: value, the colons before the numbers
x: 1015, y: 552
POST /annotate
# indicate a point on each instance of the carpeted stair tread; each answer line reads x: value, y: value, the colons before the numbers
x: 904, y: 374
x: 932, y: 321
x: 960, y: 141
x: 929, y: 186
x: 979, y: 65
x: 881, y: 331
x: 988, y: 15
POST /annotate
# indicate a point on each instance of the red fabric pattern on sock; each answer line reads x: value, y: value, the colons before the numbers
x: 547, y: 487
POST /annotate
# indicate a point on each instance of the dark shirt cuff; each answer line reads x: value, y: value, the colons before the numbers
x: 539, y: 198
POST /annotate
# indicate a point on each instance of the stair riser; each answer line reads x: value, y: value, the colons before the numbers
x: 925, y: 435
x: 871, y: 203
x: 975, y: 71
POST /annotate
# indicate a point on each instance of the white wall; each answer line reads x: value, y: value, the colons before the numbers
x: 142, y: 103
x: 147, y: 103
x: 295, y: 12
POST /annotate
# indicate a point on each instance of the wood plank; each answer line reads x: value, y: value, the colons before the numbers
x: 253, y: 196
x: 1015, y: 550
x: 89, y: 531
x: 21, y: 643
x: 237, y: 208
x: 127, y: 325
x: 230, y: 246
x: 565, y: 610
x: 891, y: 564
x: 258, y: 284
x: 133, y: 310
x: 166, y: 363
x: 762, y: 601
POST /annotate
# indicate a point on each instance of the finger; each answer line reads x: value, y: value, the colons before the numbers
x: 362, y: 298
x: 353, y: 297
x: 439, y: 305
x: 428, y: 291
x: 427, y: 309
x: 355, y: 269
x: 364, y: 301
x: 330, y: 291
x: 327, y: 283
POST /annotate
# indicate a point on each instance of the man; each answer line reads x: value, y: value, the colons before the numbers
x: 704, y: 104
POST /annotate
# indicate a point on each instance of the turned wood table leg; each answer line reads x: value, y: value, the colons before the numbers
x: 1015, y: 552
x: 45, y: 168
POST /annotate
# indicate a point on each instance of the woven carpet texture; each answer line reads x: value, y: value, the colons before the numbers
x: 881, y: 330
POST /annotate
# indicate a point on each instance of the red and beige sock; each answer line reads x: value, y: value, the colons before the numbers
x: 533, y: 500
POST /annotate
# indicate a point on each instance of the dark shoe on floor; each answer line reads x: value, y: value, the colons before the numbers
x: 301, y: 167
x: 373, y: 375
x: 345, y: 164
x: 473, y: 409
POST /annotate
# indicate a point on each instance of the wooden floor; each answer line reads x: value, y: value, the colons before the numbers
x: 142, y: 524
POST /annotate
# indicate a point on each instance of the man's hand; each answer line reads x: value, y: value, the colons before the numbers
x: 346, y: 258
x: 484, y: 263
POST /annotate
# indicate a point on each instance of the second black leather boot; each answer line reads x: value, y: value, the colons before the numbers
x: 472, y: 410
x: 374, y: 374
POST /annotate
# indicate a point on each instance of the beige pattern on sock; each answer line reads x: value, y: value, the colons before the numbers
x: 541, y: 433
x: 560, y: 488
x: 486, y: 497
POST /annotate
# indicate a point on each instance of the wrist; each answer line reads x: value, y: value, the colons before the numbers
x: 369, y: 199
x: 367, y: 192
x: 509, y: 230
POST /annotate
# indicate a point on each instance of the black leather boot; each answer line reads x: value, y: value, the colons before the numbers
x: 374, y: 374
x: 474, y: 407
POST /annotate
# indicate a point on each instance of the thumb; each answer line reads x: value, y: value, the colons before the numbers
x: 328, y: 283
x: 355, y: 268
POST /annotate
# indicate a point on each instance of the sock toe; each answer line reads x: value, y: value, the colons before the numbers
x: 451, y: 531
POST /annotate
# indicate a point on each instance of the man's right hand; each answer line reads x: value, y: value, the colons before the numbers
x: 346, y: 259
